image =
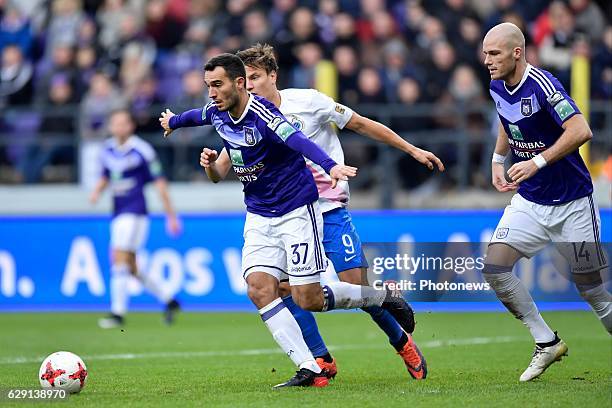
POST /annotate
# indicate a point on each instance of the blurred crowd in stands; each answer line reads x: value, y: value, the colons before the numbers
x: 68, y: 63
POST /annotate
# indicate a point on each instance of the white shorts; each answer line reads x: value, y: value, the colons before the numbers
x: 129, y: 232
x: 573, y: 227
x: 289, y: 246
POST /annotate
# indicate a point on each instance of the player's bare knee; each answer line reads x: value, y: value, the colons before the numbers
x: 262, y: 289
x: 284, y: 289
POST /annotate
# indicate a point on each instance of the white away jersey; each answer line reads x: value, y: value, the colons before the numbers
x: 314, y: 114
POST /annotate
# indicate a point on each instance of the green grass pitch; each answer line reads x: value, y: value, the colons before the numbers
x: 230, y: 359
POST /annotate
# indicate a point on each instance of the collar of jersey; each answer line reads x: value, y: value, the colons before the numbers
x: 525, y: 74
x: 124, y: 148
x: 244, y: 113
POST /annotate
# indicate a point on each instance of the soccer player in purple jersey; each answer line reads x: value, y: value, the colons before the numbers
x: 314, y: 114
x: 543, y: 127
x: 128, y: 164
x: 283, y: 228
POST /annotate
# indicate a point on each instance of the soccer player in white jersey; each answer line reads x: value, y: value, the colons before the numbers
x: 283, y: 227
x: 543, y: 128
x: 128, y: 164
x: 315, y: 114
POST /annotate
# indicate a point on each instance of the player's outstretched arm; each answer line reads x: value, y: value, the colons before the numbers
x: 172, y: 223
x: 98, y: 189
x: 170, y: 121
x: 498, y: 172
x: 215, y: 164
x: 576, y: 133
x: 379, y: 132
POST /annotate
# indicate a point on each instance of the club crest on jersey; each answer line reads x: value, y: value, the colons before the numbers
x: 249, y: 136
x: 526, y: 107
x: 502, y: 233
x: 296, y: 122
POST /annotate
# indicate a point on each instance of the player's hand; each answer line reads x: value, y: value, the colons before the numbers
x: 164, y: 121
x: 341, y: 172
x: 499, y: 178
x: 173, y: 226
x: 208, y: 157
x: 521, y: 171
x: 427, y: 158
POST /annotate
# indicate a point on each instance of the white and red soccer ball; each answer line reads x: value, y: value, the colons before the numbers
x: 63, y: 370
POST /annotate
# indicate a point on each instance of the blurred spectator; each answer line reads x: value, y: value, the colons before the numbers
x: 194, y: 93
x: 301, y: 30
x: 66, y: 19
x: 62, y: 62
x: 56, y: 139
x: 101, y: 99
x: 136, y: 64
x: 439, y: 73
x: 109, y: 17
x: 396, y: 66
x: 432, y: 33
x: 236, y: 9
x: 589, y: 18
x: 15, y: 29
x: 467, y: 41
x: 450, y: 13
x: 88, y: 34
x: 144, y: 105
x: 370, y: 87
x: 166, y: 30
x: 344, y: 30
x: 325, y: 20
x: 86, y: 60
x: 409, y: 93
x: 345, y: 60
x: 205, y: 25
x: 279, y: 12
x: 255, y: 28
x: 304, y: 74
x: 383, y: 27
x: 556, y: 48
x: 15, y: 78
x: 602, y: 67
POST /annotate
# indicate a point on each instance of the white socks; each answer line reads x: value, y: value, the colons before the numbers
x: 601, y: 303
x: 149, y: 283
x: 342, y: 295
x: 515, y: 296
x: 287, y: 334
x: 120, y: 275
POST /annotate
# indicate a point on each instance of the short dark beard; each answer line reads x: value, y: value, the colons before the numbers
x: 232, y: 100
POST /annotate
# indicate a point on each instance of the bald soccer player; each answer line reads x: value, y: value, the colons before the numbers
x: 543, y: 128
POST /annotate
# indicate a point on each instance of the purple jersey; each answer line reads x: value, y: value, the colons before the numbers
x: 532, y: 114
x: 129, y: 168
x: 275, y: 177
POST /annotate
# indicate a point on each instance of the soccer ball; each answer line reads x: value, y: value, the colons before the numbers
x: 63, y: 370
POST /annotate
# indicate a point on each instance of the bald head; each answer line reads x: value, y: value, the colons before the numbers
x: 508, y: 35
x: 504, y: 49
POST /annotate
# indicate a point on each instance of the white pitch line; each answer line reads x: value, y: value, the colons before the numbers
x: 252, y: 352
